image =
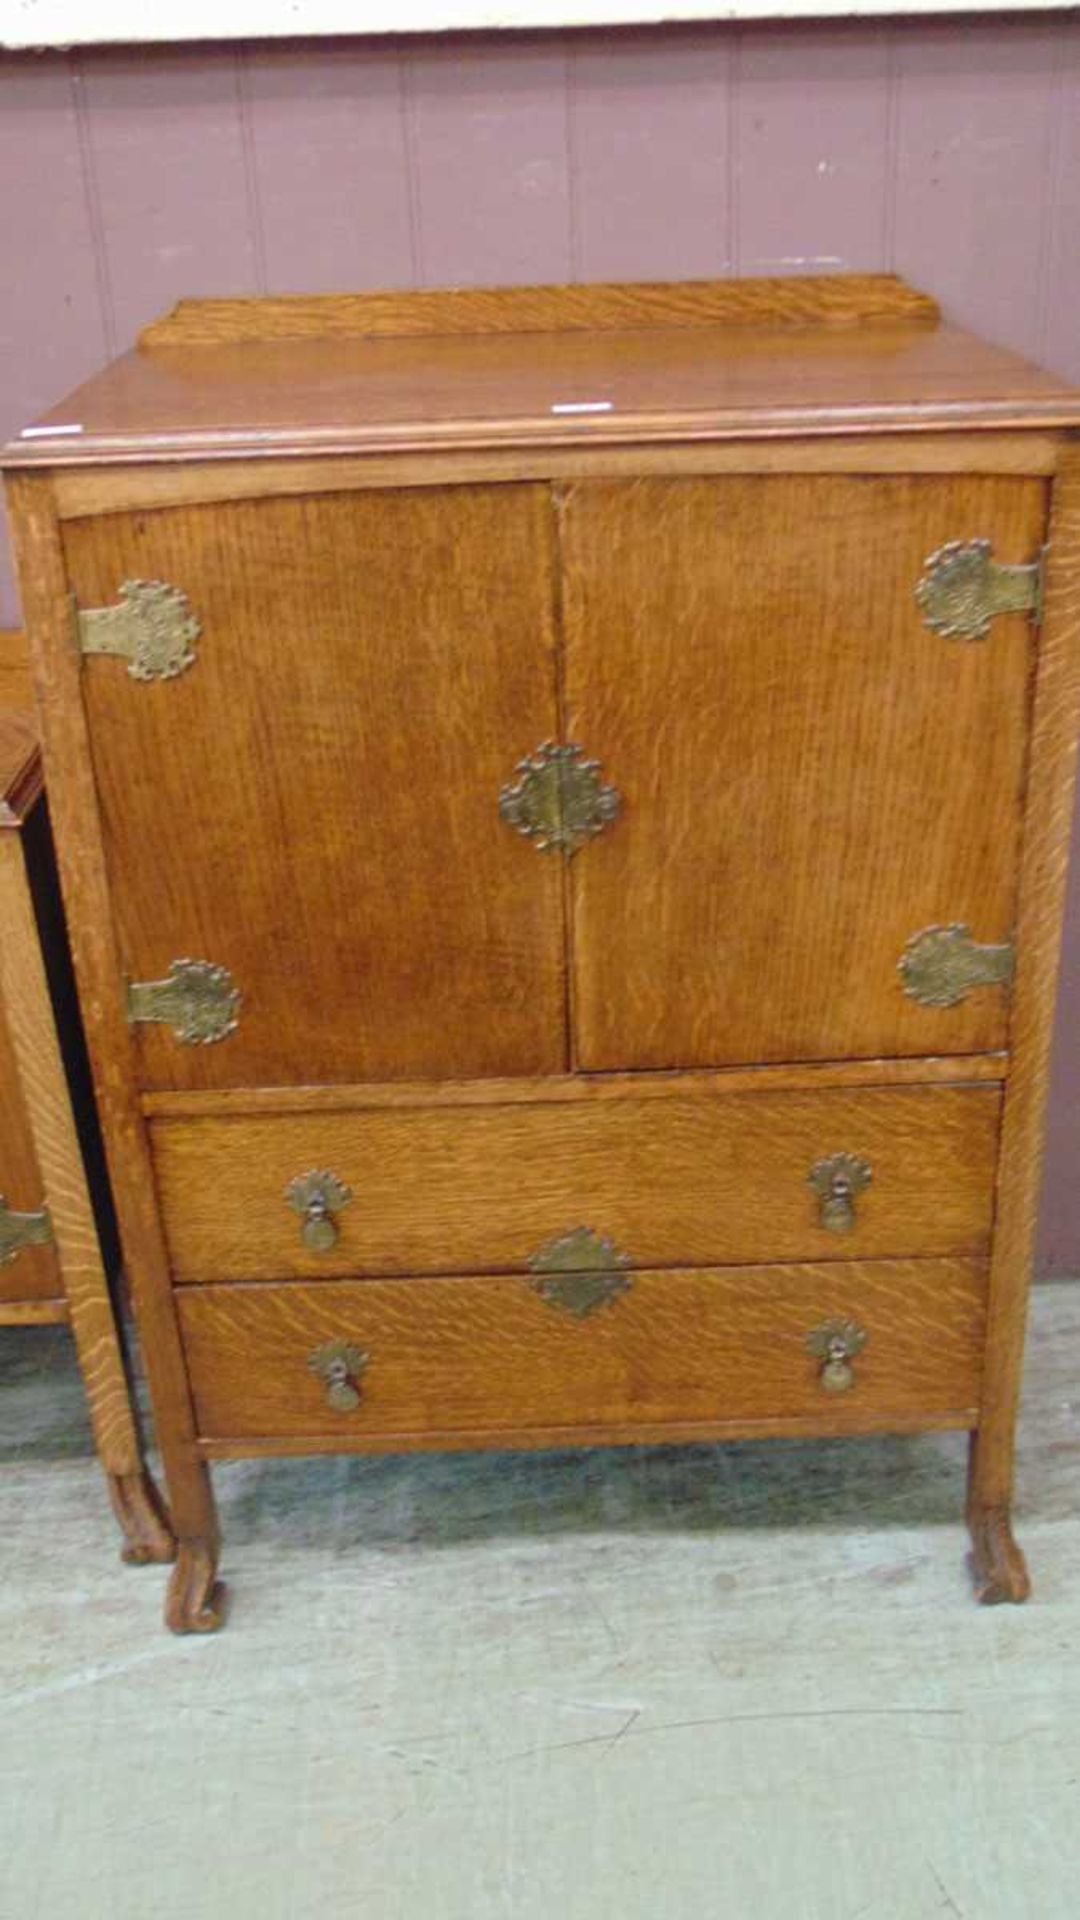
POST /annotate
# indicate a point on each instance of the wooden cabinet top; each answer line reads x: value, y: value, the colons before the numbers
x: 535, y: 366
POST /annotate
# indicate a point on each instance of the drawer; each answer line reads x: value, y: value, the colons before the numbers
x: 702, y: 1179
x: 688, y: 1348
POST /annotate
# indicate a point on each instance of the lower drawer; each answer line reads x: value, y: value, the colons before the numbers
x: 423, y: 1360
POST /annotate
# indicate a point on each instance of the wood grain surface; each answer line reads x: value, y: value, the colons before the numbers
x: 1044, y: 868
x: 809, y: 775
x: 51, y: 1125
x: 490, y: 1354
x: 114, y: 489
x: 834, y: 299
x: 456, y: 392
x: 964, y: 1069
x: 697, y: 1181
x: 195, y: 1600
x: 34, y: 1274
x: 314, y: 804
x: 21, y: 776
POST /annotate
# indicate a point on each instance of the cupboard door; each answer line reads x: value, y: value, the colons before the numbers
x: 313, y: 804
x: 809, y: 775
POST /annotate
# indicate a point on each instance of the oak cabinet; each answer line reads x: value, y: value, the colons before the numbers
x: 562, y: 798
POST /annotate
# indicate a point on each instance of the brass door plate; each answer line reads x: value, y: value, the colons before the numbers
x: 19, y: 1230
x: 558, y: 801
x: 579, y: 1272
x: 942, y: 965
x: 197, y: 1000
x: 963, y: 588
x: 152, y: 628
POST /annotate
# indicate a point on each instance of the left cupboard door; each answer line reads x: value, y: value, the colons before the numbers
x: 312, y: 803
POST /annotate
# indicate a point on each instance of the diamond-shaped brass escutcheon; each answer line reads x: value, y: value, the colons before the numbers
x: 558, y: 800
x: 579, y: 1272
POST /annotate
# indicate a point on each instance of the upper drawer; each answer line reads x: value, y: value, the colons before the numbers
x: 695, y: 1179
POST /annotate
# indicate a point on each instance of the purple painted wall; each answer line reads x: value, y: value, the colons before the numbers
x: 949, y: 151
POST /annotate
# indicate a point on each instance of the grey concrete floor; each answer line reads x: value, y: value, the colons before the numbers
x: 740, y: 1682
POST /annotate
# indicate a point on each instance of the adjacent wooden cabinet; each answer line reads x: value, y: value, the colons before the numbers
x: 563, y: 796
x: 52, y: 1262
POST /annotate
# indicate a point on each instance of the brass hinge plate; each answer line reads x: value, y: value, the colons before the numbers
x: 19, y: 1230
x: 152, y: 627
x: 963, y: 588
x: 196, y: 999
x: 942, y: 965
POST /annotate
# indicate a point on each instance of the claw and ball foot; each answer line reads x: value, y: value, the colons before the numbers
x: 997, y: 1563
x: 144, y: 1523
x: 195, y: 1602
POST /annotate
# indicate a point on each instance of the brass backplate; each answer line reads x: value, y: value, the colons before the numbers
x: 317, y: 1197
x: 558, y: 800
x: 963, y: 588
x: 19, y: 1230
x: 838, y: 1181
x: 835, y: 1344
x: 152, y: 628
x: 340, y: 1366
x: 579, y: 1272
x: 197, y: 1000
x: 942, y: 965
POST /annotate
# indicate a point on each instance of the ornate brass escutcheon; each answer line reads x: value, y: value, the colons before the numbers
x: 559, y: 801
x: 339, y: 1366
x: 152, y: 628
x: 837, y: 1182
x: 942, y: 965
x: 963, y: 588
x: 19, y: 1230
x: 835, y: 1343
x: 317, y: 1197
x: 579, y: 1272
x: 197, y: 1000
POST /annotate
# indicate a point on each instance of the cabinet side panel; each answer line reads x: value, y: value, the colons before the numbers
x: 1044, y: 867
x: 73, y: 803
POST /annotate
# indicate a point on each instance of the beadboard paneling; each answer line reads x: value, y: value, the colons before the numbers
x: 650, y: 134
x: 812, y: 150
x: 949, y: 151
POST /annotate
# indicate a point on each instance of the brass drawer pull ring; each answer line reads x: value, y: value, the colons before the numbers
x: 835, y: 1344
x: 317, y: 1197
x: 837, y: 1182
x: 339, y: 1366
x: 559, y: 801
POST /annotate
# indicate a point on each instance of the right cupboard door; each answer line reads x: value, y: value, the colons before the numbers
x: 810, y: 776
